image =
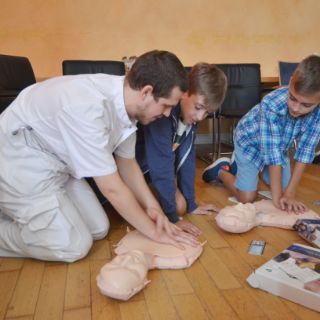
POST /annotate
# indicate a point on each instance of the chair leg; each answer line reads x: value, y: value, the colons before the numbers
x: 214, y: 138
x: 229, y: 141
x: 219, y: 137
x: 209, y: 157
x: 234, y: 124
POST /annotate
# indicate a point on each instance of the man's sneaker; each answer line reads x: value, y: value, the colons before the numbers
x: 211, y: 173
x: 233, y: 165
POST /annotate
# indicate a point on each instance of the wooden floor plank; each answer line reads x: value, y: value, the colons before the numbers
x: 100, y: 250
x: 300, y: 311
x: 214, y: 287
x: 177, y: 282
x: 158, y: 299
x: 51, y: 297
x: 8, y: 280
x: 243, y: 304
x: 236, y: 264
x: 24, y: 300
x: 134, y: 310
x: 208, y: 293
x: 218, y: 270
x: 21, y: 318
x: 78, y: 294
x: 9, y: 264
x: 75, y: 314
x: 240, y: 245
x: 189, y: 307
x: 213, y: 238
x: 272, y: 306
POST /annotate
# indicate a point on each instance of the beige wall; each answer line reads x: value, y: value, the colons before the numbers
x: 263, y: 31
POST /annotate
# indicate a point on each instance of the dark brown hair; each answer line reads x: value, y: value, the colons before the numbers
x: 306, y: 78
x: 160, y: 69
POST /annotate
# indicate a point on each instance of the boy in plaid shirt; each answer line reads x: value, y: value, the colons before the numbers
x: 264, y: 135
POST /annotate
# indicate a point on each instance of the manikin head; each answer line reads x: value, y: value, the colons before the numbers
x: 207, y: 89
x: 239, y: 218
x: 124, y: 276
x: 304, y: 87
x: 154, y: 85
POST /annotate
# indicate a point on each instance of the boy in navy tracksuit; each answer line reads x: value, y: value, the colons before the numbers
x: 165, y: 148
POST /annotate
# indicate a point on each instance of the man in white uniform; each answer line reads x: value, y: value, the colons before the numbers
x: 64, y: 129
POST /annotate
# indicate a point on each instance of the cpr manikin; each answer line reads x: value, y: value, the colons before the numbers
x: 243, y: 217
x: 126, y: 274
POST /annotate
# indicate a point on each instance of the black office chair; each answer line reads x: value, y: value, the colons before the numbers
x: 16, y: 73
x: 286, y: 70
x: 243, y: 93
x: 72, y: 67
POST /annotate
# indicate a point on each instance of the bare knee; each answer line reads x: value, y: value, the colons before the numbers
x: 246, y: 197
x: 181, y: 208
x: 180, y: 203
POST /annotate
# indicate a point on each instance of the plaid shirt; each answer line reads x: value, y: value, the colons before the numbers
x: 267, y: 131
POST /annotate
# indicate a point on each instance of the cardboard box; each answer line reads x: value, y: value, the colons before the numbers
x: 294, y: 274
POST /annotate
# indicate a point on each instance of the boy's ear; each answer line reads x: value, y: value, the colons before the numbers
x: 145, y: 91
x: 185, y: 95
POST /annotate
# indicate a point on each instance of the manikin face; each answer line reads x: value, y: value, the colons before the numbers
x: 193, y: 108
x: 237, y: 219
x: 124, y: 276
x: 300, y: 105
x: 151, y: 109
x: 132, y: 263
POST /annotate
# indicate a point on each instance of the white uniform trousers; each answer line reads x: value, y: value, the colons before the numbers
x: 44, y: 212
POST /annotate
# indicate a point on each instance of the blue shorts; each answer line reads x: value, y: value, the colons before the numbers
x: 248, y: 175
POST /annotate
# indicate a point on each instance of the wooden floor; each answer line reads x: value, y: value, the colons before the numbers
x: 214, y: 287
